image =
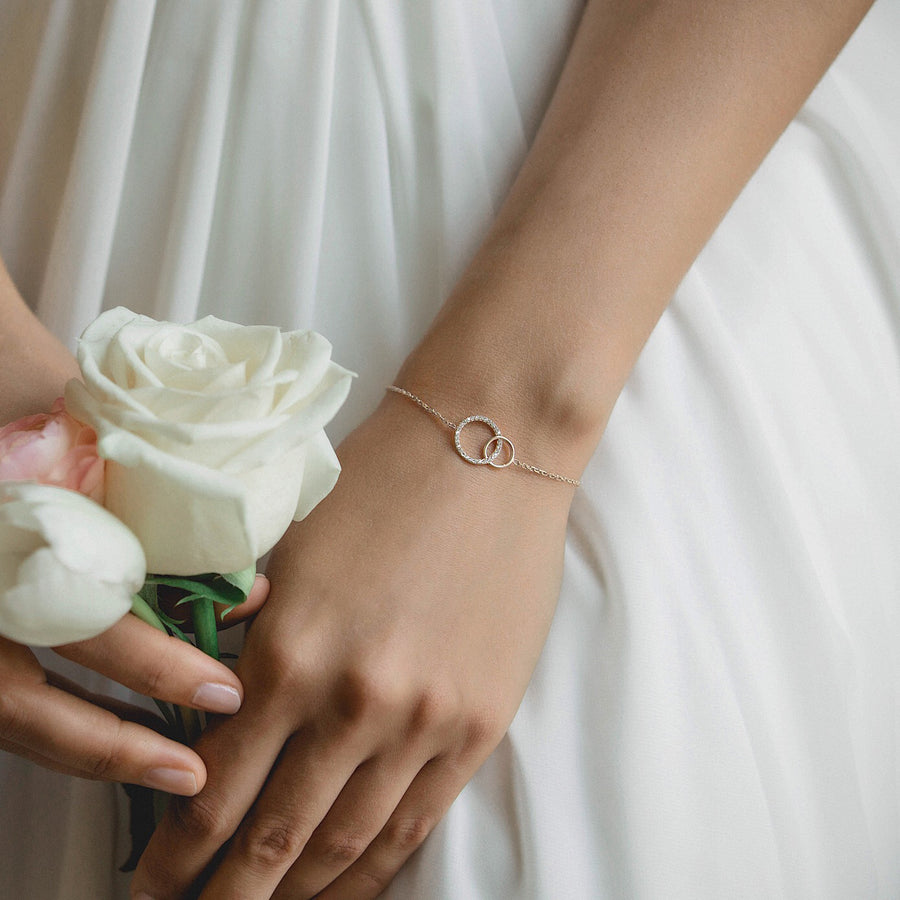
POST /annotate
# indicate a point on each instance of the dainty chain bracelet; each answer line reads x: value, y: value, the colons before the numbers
x: 499, y: 451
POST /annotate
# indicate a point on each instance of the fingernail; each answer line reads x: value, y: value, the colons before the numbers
x: 172, y: 781
x: 218, y: 698
x: 142, y: 896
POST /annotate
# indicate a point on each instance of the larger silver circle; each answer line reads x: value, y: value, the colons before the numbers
x: 498, y: 439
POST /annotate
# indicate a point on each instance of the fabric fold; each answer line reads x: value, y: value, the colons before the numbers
x: 716, y: 712
x: 79, y: 257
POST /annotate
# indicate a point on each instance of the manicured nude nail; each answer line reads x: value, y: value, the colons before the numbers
x: 219, y: 698
x: 172, y: 781
x: 142, y: 896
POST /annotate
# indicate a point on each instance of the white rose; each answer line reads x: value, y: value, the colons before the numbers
x: 68, y: 568
x: 212, y: 432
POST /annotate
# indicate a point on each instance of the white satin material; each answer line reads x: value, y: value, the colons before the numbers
x: 717, y: 710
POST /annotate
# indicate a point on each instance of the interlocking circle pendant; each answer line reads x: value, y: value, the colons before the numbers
x: 499, y: 447
x: 501, y: 441
x: 492, y: 449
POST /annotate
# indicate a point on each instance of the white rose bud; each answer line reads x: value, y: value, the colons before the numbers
x: 213, y: 433
x: 68, y: 568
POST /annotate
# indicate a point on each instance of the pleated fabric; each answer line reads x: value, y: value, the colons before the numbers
x: 717, y: 710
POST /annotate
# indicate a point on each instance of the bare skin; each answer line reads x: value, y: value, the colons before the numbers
x: 34, y: 365
x: 53, y: 723
x: 408, y: 611
x: 50, y: 721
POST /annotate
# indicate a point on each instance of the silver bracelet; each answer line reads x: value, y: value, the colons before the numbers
x: 499, y: 451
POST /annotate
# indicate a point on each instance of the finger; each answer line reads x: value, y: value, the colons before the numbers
x: 94, y: 743
x: 154, y: 664
x: 309, y: 776
x: 422, y: 807
x: 118, y: 707
x: 192, y: 831
x: 355, y: 819
x: 39, y: 759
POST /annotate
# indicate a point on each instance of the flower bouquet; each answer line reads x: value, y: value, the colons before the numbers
x: 173, y: 466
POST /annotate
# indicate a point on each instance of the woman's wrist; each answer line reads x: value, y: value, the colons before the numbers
x: 470, y: 364
x: 34, y: 365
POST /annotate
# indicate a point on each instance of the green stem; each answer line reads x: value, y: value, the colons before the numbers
x: 205, y: 632
x: 191, y: 725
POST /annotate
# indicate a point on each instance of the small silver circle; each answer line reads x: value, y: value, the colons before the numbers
x: 497, y: 438
x: 500, y: 440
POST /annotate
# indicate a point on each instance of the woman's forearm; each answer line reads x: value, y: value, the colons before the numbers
x: 34, y: 365
x: 663, y: 112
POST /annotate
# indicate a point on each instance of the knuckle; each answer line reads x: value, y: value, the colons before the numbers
x: 200, y: 817
x: 272, y: 842
x: 282, y: 663
x: 338, y: 849
x: 432, y: 709
x: 286, y: 669
x: 158, y: 869
x: 104, y: 764
x: 364, y: 693
x: 106, y: 761
x: 481, y: 728
x: 405, y: 833
x: 155, y: 677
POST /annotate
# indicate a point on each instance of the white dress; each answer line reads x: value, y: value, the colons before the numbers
x: 717, y: 710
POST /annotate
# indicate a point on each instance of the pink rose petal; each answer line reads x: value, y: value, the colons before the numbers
x: 52, y: 448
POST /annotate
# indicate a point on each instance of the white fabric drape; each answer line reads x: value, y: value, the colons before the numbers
x: 717, y: 710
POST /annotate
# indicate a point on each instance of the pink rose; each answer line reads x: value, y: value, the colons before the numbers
x: 52, y: 448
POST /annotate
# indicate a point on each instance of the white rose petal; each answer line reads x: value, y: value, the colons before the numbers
x: 68, y: 568
x: 213, y: 432
x: 320, y: 475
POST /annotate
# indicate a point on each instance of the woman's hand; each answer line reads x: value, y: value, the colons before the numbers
x: 53, y: 723
x: 407, y: 615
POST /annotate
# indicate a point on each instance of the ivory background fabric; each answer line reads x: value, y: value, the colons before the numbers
x: 717, y: 710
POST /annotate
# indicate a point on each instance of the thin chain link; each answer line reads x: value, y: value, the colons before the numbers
x: 423, y: 404
x: 536, y: 470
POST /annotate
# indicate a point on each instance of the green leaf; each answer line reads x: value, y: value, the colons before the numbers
x: 148, y: 594
x: 190, y: 598
x: 219, y: 591
x: 228, y: 609
x: 167, y: 712
x: 145, y: 611
x: 228, y: 590
x: 172, y: 625
x: 242, y: 580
